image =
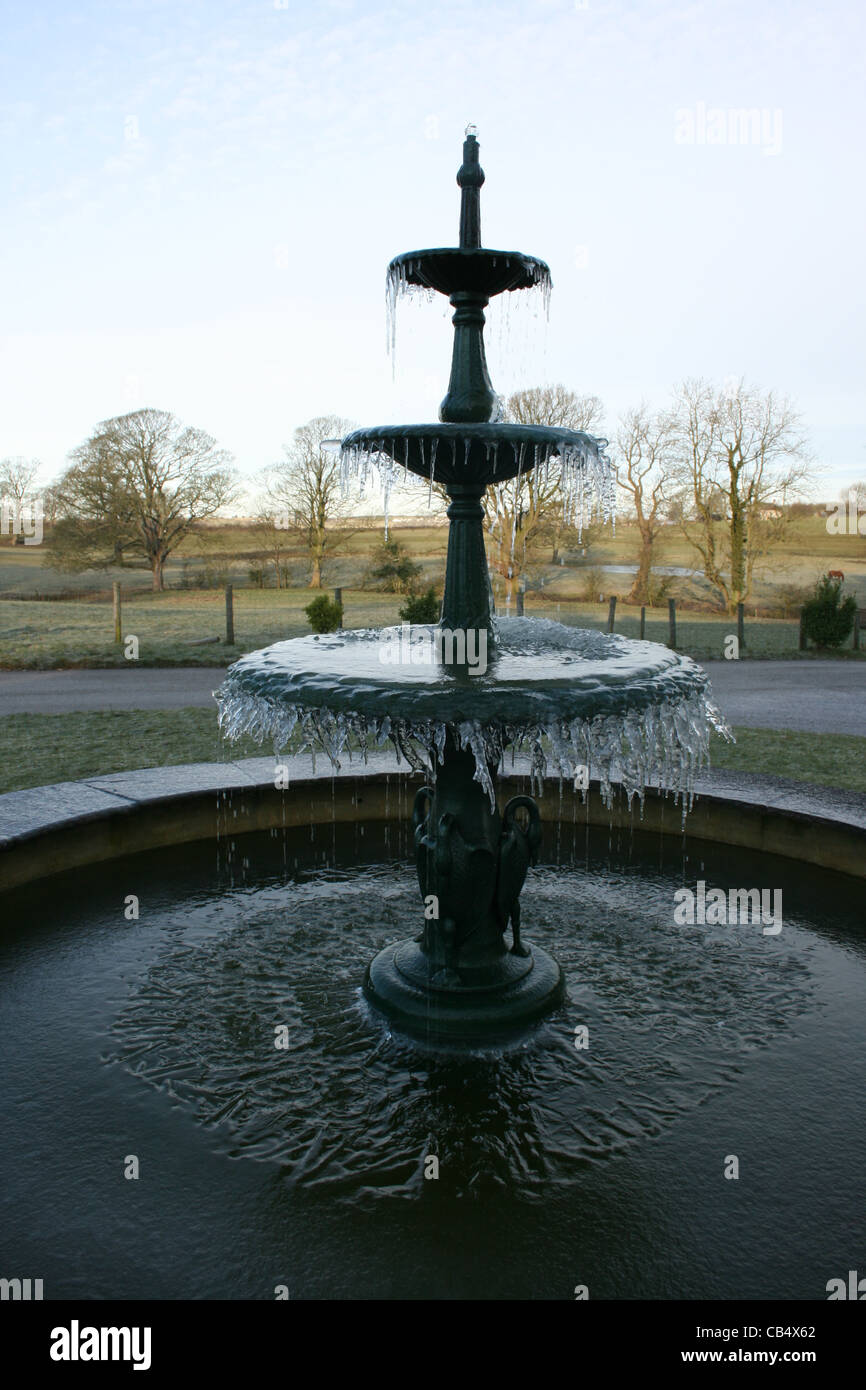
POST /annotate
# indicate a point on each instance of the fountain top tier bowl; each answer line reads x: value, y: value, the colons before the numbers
x: 467, y: 270
x: 470, y: 268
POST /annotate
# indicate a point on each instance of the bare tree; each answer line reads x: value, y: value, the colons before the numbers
x: 277, y: 537
x: 18, y: 495
x: 17, y: 476
x: 305, y: 489
x: 137, y: 486
x: 644, y: 442
x: 740, y: 455
x: 528, y: 511
x: 50, y: 502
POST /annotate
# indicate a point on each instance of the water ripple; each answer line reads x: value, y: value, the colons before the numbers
x: 350, y: 1109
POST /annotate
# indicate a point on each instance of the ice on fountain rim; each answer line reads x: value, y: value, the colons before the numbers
x: 399, y: 284
x: 586, y: 472
x: 664, y: 743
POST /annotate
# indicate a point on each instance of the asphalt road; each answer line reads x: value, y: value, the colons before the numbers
x: 822, y: 697
x: 60, y: 692
x: 816, y: 696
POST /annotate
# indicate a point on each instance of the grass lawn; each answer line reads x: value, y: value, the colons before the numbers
x: 36, y: 749
x: 172, y: 627
x: 828, y: 760
x: 168, y: 626
x: 73, y: 626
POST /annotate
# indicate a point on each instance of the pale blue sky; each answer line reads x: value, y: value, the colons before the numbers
x: 199, y: 201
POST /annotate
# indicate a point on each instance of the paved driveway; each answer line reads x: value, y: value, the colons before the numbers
x: 818, y: 696
x: 59, y: 692
x: 827, y: 697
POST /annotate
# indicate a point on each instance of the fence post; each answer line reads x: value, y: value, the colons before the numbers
x: 642, y: 623
x: 672, y: 623
x: 230, y: 617
x: 611, y: 612
x: 741, y: 625
x: 338, y: 599
x: 520, y: 601
x: 802, y: 633
x: 115, y: 599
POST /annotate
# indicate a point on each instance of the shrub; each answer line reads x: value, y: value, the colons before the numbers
x: 215, y: 576
x: 393, y: 569
x: 828, y: 617
x: 659, y: 588
x: 324, y: 614
x: 593, y: 582
x: 421, y: 608
x: 791, y: 597
x: 258, y: 576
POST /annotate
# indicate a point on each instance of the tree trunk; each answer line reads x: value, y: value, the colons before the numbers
x: 317, y: 551
x: 639, y: 592
x: 738, y: 556
x: 158, y: 568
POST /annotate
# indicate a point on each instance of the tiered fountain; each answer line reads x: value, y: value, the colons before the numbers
x: 633, y: 712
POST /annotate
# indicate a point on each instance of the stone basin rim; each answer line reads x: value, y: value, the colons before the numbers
x: 103, y: 818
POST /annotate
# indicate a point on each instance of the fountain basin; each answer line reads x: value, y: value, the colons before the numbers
x: 557, y: 1167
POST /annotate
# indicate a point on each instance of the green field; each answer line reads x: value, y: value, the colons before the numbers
x: 168, y: 626
x: 71, y: 624
x: 36, y: 749
x: 218, y: 555
x: 188, y: 628
x: 173, y: 628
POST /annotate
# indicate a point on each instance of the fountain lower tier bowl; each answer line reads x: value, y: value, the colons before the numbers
x: 576, y: 698
x: 476, y: 270
x: 480, y: 454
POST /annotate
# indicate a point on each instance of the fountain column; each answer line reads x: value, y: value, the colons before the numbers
x: 466, y: 603
x: 471, y: 397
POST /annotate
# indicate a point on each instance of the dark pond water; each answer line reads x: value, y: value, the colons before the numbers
x: 304, y: 1165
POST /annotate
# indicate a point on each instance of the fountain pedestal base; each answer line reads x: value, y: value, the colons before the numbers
x: 490, y: 1002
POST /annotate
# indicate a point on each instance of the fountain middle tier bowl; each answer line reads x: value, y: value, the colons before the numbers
x: 576, y: 698
x: 480, y: 454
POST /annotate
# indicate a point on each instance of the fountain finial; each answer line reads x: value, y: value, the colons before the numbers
x: 470, y: 177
